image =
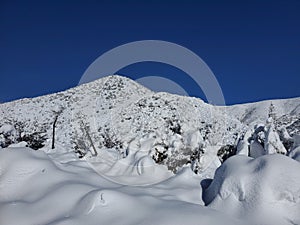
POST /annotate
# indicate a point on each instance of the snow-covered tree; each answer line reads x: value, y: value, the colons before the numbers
x: 272, y: 113
x: 273, y: 143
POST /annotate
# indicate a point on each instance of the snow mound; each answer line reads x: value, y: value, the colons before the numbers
x: 265, y: 190
x: 35, y: 188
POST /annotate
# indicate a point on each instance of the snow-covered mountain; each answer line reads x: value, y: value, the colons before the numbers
x: 116, y: 112
x: 133, y: 136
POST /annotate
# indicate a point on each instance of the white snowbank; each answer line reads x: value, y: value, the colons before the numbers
x: 37, y: 189
x: 265, y: 190
x: 20, y: 144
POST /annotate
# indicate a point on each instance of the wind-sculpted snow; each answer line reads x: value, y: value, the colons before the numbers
x: 265, y: 190
x: 126, y: 155
x: 37, y: 189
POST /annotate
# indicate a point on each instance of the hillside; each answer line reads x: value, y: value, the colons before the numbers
x: 132, y: 137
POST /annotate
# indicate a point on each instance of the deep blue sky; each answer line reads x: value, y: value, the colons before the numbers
x: 252, y: 47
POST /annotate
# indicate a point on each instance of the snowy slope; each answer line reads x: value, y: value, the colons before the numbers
x: 117, y: 117
x: 116, y: 103
x: 36, y: 189
x: 257, y: 112
x: 121, y: 147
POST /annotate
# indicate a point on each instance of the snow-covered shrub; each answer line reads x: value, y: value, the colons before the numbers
x: 7, y: 129
x: 83, y: 142
x: 195, y: 160
x: 81, y: 147
x: 2, y: 141
x: 226, y: 151
x: 175, y: 151
x: 174, y: 126
x: 294, y: 128
x: 35, y: 140
x: 8, y: 134
x: 266, y: 139
x: 110, y: 139
x: 13, y: 134
x: 160, y: 153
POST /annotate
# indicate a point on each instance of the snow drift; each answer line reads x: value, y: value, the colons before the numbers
x: 35, y: 189
x: 265, y: 190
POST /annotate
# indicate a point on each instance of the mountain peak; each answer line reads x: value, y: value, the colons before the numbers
x: 118, y: 114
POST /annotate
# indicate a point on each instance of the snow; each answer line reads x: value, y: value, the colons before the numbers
x: 7, y: 129
x: 256, y: 149
x: 126, y: 155
x: 37, y: 189
x: 66, y: 190
x: 296, y: 141
x: 265, y: 190
x: 295, y: 152
x: 242, y: 148
x: 20, y: 144
x: 273, y: 143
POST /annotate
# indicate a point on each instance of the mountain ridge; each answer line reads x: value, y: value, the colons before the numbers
x: 121, y: 115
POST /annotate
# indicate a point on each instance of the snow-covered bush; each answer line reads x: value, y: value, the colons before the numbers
x: 82, y: 141
x: 225, y: 152
x: 110, y: 140
x: 159, y: 153
x: 13, y: 134
x: 294, y: 128
x: 35, y: 140
x: 176, y: 150
x: 8, y: 134
x: 174, y: 126
x: 265, y: 139
x: 2, y: 141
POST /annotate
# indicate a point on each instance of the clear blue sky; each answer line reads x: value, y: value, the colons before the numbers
x: 252, y: 47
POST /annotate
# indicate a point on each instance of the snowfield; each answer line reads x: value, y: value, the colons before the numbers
x: 37, y: 189
x: 126, y: 155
